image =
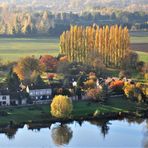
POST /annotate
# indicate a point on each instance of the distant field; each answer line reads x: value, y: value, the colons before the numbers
x: 139, y: 37
x: 13, y: 48
x: 139, y: 43
x: 140, y: 47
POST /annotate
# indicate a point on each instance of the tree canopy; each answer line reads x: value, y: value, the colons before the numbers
x: 26, y: 67
x: 87, y: 44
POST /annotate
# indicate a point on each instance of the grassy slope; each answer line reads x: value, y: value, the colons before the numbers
x: 42, y: 112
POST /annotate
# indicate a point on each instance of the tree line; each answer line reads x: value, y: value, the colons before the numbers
x: 92, y: 43
x: 17, y: 23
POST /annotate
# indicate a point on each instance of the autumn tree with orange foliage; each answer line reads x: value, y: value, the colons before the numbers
x: 49, y: 62
x: 27, y: 67
x: 80, y: 44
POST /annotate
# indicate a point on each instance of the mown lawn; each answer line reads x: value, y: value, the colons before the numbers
x: 80, y: 108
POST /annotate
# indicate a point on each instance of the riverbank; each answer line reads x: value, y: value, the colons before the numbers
x: 82, y: 110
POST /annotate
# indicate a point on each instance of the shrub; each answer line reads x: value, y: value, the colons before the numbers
x: 61, y: 106
x: 130, y: 61
x: 117, y: 86
x: 49, y: 62
x: 50, y: 76
x: 93, y: 77
x: 140, y: 66
x: 133, y: 91
x: 129, y: 90
x: 124, y: 73
x: 90, y: 84
x: 143, y: 88
x: 63, y: 59
x: 95, y: 94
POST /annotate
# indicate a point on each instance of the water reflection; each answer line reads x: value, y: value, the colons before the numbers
x: 10, y: 132
x: 145, y: 139
x: 105, y: 133
x: 135, y: 120
x: 61, y: 134
x: 103, y: 124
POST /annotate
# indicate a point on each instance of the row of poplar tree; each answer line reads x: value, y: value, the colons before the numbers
x: 85, y: 44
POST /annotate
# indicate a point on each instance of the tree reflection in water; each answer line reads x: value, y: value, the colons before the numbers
x: 10, y: 132
x: 103, y: 124
x: 61, y: 134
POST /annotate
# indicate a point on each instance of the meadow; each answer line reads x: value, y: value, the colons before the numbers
x: 11, y: 49
x: 41, y: 113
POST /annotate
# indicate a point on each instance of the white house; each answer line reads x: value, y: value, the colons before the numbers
x: 4, y: 98
x: 39, y: 93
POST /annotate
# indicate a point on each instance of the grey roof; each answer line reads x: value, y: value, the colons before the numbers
x: 4, y: 92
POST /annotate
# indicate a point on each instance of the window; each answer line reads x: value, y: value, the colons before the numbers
x: 4, y: 102
x: 4, y: 98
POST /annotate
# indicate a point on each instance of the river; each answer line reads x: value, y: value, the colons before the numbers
x: 94, y: 134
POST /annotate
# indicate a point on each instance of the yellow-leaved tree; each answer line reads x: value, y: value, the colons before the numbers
x: 83, y: 44
x: 61, y: 106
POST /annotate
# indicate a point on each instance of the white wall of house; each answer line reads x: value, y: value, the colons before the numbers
x: 24, y: 101
x: 40, y: 92
x: 4, y: 100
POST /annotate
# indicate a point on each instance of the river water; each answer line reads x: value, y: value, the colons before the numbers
x: 94, y: 134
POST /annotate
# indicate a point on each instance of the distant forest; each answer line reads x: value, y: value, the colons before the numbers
x: 44, y: 23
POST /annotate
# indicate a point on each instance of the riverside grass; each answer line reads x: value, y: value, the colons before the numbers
x: 39, y: 113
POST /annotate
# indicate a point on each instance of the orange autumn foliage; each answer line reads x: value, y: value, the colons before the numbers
x: 117, y: 83
x: 63, y: 59
x: 49, y: 62
x: 26, y: 67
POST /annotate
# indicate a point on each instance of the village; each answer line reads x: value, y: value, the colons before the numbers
x: 39, y: 94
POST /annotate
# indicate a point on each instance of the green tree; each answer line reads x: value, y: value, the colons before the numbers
x: 39, y: 81
x: 13, y: 82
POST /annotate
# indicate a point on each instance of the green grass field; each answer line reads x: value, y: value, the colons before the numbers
x: 80, y: 109
x: 11, y: 49
x: 143, y: 56
x: 139, y: 39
